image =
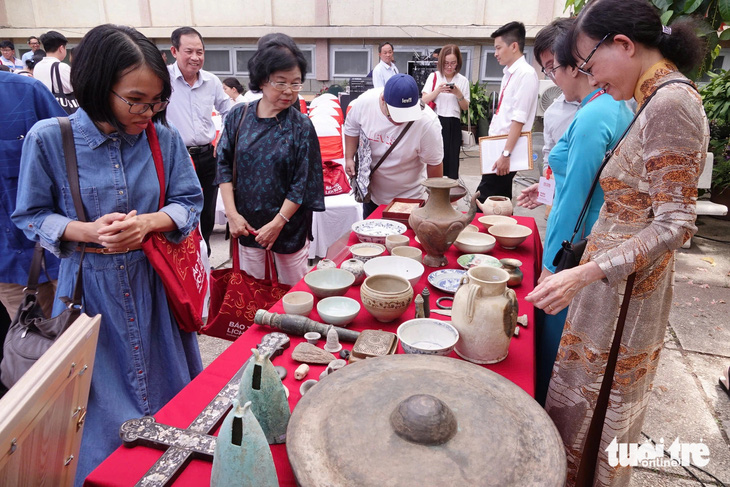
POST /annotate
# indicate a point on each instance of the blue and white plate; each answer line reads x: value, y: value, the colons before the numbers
x: 446, y: 280
x: 376, y: 230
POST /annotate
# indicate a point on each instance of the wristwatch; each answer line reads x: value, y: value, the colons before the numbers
x: 506, y: 153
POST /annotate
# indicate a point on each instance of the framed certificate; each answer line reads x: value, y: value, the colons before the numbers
x: 490, y: 148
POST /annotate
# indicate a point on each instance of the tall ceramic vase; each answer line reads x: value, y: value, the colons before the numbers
x: 437, y: 223
x: 485, y: 314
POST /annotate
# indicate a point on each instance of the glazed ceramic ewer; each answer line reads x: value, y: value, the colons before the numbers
x: 437, y: 223
x: 485, y: 314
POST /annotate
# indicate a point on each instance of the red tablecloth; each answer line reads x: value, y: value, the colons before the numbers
x: 127, y: 465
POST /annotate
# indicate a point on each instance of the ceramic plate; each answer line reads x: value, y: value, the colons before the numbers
x: 467, y: 261
x: 447, y: 280
x: 368, y: 230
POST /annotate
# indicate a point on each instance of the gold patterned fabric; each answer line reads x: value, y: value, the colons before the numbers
x: 650, y: 187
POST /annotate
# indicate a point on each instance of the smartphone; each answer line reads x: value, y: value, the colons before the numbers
x: 450, y: 85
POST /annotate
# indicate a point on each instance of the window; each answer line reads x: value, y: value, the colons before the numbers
x: 242, y: 58
x: 218, y: 61
x: 491, y: 70
x: 350, y: 62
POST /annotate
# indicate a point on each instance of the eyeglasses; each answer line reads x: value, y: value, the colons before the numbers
x: 295, y: 87
x: 550, y: 72
x: 451, y: 63
x: 140, y: 108
x: 582, y: 68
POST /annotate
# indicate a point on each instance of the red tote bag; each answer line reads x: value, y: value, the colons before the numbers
x: 335, y: 179
x: 235, y: 297
x: 180, y: 266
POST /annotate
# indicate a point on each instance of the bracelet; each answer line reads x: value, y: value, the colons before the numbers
x: 285, y: 218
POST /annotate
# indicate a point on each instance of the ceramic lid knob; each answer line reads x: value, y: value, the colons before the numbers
x: 423, y: 419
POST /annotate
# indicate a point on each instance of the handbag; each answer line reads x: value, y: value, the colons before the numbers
x: 467, y: 136
x: 66, y: 100
x: 235, y: 296
x: 360, y: 182
x: 179, y: 265
x: 432, y: 104
x: 31, y: 333
x: 570, y: 254
x: 335, y: 179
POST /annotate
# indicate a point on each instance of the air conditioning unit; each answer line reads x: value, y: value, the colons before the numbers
x: 547, y: 93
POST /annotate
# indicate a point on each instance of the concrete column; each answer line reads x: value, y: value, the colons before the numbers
x: 145, y: 13
x: 322, y: 59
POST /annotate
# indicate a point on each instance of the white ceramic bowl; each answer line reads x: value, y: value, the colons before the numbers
x: 427, y: 336
x: 298, y: 303
x: 474, y: 242
x: 510, y: 236
x: 329, y: 282
x: 377, y: 230
x: 490, y: 220
x: 410, y: 252
x: 366, y: 251
x: 395, y: 241
x: 409, y: 269
x: 338, y: 310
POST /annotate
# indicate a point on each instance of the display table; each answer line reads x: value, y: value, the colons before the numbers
x: 329, y: 225
x: 127, y: 465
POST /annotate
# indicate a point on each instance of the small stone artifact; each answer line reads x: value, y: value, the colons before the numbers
x: 306, y: 385
x: 311, y: 354
x: 512, y: 266
x: 437, y: 223
x: 299, y: 325
x: 301, y: 372
x: 312, y: 337
x: 419, y: 307
x: 485, y: 314
x: 260, y: 384
x: 333, y: 366
x: 281, y: 370
x: 426, y: 302
x: 439, y: 421
x: 356, y: 268
x: 242, y: 454
x: 333, y: 343
x: 373, y: 343
x: 345, y: 354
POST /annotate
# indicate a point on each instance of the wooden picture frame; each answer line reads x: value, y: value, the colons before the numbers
x: 490, y: 148
x: 43, y: 413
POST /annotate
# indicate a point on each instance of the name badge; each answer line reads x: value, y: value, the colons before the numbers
x: 546, y: 191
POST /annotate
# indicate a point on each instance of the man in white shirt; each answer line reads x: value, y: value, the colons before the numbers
x: 381, y: 114
x: 386, y: 68
x: 34, y: 45
x: 55, y: 45
x: 7, y: 49
x: 195, y: 93
x: 516, y: 105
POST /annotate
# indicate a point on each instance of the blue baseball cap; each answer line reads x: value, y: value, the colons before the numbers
x: 402, y: 97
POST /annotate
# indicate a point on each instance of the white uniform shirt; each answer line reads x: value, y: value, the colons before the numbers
x: 518, y: 95
x: 401, y: 174
x: 382, y: 73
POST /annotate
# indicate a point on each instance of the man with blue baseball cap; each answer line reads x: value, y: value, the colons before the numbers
x: 376, y: 121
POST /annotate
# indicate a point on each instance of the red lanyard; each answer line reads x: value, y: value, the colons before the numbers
x: 596, y: 95
x: 501, y: 95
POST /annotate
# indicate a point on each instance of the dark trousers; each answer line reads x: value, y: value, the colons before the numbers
x: 493, y: 185
x: 451, y: 134
x: 205, y: 167
x: 368, y: 208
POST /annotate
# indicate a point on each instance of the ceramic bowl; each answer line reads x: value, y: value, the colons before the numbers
x: 510, y: 236
x: 298, y: 303
x: 490, y: 220
x: 404, y: 267
x: 329, y: 282
x: 474, y: 242
x: 410, y: 252
x: 385, y: 296
x: 393, y: 241
x: 376, y: 230
x: 338, y: 310
x: 427, y: 336
x: 366, y: 251
x: 470, y: 228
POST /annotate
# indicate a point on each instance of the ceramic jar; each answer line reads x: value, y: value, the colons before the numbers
x: 356, y: 268
x: 386, y: 296
x: 437, y: 223
x: 485, y: 314
x: 326, y: 264
x: 496, y: 205
x: 512, y: 266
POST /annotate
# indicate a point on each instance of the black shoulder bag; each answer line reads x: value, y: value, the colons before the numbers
x: 66, y: 100
x: 30, y: 333
x: 570, y: 253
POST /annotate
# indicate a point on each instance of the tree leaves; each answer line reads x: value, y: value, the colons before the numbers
x: 724, y: 7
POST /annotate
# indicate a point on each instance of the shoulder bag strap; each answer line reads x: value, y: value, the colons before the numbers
x: 56, y: 83
x: 72, y: 172
x: 587, y: 467
x: 390, y: 149
x: 154, y: 144
x: 610, y: 152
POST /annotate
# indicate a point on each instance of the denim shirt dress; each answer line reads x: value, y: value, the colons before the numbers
x: 142, y: 357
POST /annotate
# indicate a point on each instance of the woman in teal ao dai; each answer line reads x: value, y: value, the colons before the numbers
x: 574, y: 160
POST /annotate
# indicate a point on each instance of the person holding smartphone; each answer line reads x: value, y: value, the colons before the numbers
x: 450, y: 91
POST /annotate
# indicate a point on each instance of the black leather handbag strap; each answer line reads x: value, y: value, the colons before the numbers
x: 609, y: 153
x: 56, y: 83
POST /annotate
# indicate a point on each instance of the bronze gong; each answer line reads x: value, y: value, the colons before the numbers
x: 421, y: 420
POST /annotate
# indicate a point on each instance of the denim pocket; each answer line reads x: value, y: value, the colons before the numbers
x: 89, y: 200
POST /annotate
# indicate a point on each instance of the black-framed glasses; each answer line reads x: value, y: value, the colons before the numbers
x: 550, y: 72
x: 280, y: 86
x: 582, y: 67
x: 140, y: 108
